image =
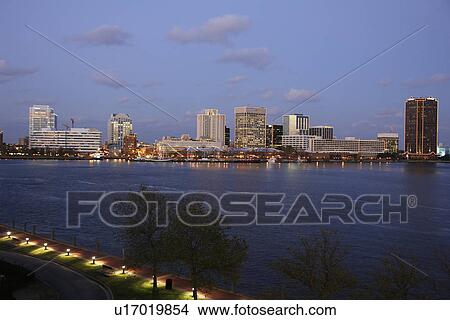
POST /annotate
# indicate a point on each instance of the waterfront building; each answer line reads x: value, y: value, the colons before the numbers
x: 130, y: 143
x: 348, y: 145
x: 295, y: 124
x: 211, y: 126
x: 227, y: 136
x: 1, y: 138
x: 390, y: 140
x: 301, y: 142
x: 82, y: 140
x: 421, y: 126
x: 41, y: 117
x: 250, y: 127
x: 169, y: 145
x: 274, y: 132
x: 325, y: 132
x: 441, y: 150
x: 119, y: 126
x: 25, y: 141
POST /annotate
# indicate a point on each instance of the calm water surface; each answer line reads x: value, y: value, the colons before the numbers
x: 35, y: 192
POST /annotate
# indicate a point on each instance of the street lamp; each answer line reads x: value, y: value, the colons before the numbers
x: 8, y: 234
x: 93, y: 260
x: 67, y: 252
x: 45, y: 246
x: 27, y: 240
x: 123, y: 269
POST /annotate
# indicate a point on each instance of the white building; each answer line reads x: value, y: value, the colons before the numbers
x: 391, y: 141
x: 119, y: 126
x: 298, y: 141
x: 211, y: 126
x: 348, y: 145
x: 295, y: 124
x: 83, y: 140
x: 176, y: 144
x: 41, y: 117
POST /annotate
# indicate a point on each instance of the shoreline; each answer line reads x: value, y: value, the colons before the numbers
x: 224, y: 161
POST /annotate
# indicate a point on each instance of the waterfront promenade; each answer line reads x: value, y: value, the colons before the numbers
x: 179, y: 283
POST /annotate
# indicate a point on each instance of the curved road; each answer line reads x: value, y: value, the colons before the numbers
x: 70, y: 285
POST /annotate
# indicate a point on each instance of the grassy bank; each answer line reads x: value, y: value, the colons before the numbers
x: 123, y: 286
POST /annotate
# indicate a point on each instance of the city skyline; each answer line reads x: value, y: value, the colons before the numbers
x: 226, y: 60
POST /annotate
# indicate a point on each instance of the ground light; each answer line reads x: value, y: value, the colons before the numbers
x: 68, y: 252
x: 27, y: 240
x: 9, y: 234
x: 123, y: 269
x: 45, y: 246
x: 93, y: 260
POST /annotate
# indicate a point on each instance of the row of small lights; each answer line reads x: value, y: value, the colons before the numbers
x: 67, y: 250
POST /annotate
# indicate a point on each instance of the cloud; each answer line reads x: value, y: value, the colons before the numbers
x: 299, y: 95
x: 435, y: 79
x: 105, y: 81
x: 103, y: 36
x: 215, y: 30
x: 384, y: 82
x: 257, y: 58
x: 363, y: 123
x: 152, y: 84
x: 389, y: 114
x: 124, y: 100
x: 266, y: 94
x: 8, y: 73
x: 236, y: 79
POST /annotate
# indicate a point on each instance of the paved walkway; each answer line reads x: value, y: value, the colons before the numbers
x: 179, y: 283
x: 68, y: 284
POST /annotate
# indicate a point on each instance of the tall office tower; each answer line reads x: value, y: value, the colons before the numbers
x: 273, y: 135
x: 250, y: 127
x: 227, y: 136
x: 295, y: 124
x: 421, y: 126
x: 119, y: 126
x: 211, y: 126
x: 325, y: 132
x: 41, y: 117
x: 1, y: 138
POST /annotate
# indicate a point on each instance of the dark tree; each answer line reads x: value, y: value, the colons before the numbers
x: 396, y: 278
x: 147, y: 244
x: 206, y: 251
x: 317, y: 263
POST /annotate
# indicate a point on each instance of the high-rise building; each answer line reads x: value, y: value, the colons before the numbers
x: 119, y: 126
x: 390, y: 140
x: 250, y: 127
x: 1, y: 138
x: 227, y: 136
x: 421, y: 126
x: 295, y: 124
x: 273, y: 135
x: 83, y: 140
x: 325, y: 132
x: 41, y: 117
x: 211, y: 126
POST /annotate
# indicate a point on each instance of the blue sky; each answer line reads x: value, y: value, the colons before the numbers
x: 187, y: 55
